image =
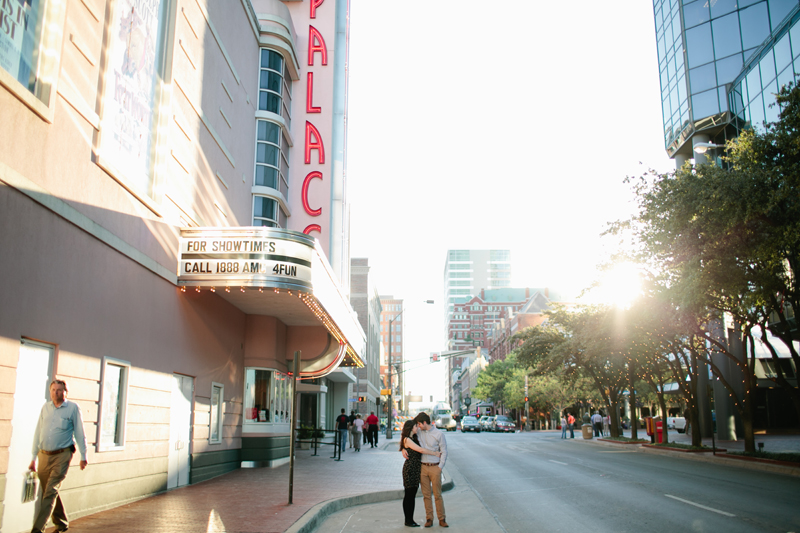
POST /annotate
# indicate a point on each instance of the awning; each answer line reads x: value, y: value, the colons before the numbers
x: 278, y: 273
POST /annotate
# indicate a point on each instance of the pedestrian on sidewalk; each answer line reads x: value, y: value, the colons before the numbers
x: 352, y: 419
x: 432, y: 439
x: 563, y: 427
x: 342, y: 422
x: 607, y: 426
x: 358, y: 431
x: 412, y: 468
x: 59, y: 429
x: 597, y: 424
x: 571, y: 422
x: 372, y: 432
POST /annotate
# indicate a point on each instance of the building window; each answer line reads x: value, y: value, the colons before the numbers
x: 217, y: 412
x: 270, y: 83
x: 266, y: 397
x: 30, y: 48
x: 265, y: 212
x: 114, y: 395
x: 272, y: 157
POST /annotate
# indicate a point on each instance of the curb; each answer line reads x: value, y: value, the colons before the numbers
x: 312, y: 518
x: 684, y: 450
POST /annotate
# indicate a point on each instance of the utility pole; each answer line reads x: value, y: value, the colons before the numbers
x: 527, y: 412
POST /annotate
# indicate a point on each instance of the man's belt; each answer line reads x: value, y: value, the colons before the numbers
x: 54, y: 452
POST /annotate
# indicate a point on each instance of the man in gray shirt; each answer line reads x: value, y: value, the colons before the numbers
x: 431, y: 438
x: 59, y: 429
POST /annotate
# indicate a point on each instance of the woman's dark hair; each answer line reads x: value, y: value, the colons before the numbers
x: 407, y: 428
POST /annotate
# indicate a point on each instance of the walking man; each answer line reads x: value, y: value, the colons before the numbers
x: 597, y: 422
x: 432, y: 439
x: 59, y: 429
x: 342, y: 421
x: 373, y: 422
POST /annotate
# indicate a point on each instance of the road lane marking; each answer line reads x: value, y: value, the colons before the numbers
x: 700, y: 506
x: 558, y: 462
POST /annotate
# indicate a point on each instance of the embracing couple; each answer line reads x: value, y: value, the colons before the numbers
x: 425, y: 451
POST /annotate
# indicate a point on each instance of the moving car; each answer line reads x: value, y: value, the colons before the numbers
x: 486, y: 422
x: 503, y: 424
x: 470, y: 423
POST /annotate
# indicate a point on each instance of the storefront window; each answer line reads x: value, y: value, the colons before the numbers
x: 266, y: 398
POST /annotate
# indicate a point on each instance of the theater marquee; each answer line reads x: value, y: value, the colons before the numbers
x: 252, y: 257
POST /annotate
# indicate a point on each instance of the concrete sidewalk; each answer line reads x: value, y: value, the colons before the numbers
x: 256, y: 500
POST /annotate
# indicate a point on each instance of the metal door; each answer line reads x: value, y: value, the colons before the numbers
x: 32, y: 390
x: 180, y: 431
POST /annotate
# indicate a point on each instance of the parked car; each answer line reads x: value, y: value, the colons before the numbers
x: 487, y: 423
x: 470, y: 423
x: 503, y: 424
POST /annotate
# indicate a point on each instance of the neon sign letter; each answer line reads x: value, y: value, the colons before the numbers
x: 304, y: 197
x: 316, y: 144
x: 314, y: 5
x: 316, y: 44
x: 310, y: 95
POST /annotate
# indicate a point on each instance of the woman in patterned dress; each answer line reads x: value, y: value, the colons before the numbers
x: 412, y: 468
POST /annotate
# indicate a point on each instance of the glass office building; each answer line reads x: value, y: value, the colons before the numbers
x: 721, y: 63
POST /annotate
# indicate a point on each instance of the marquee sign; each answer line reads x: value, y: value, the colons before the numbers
x: 244, y: 257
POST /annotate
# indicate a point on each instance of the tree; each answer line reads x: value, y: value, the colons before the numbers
x: 727, y: 241
x: 493, y: 383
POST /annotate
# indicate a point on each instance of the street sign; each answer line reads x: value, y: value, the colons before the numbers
x: 352, y: 399
x: 434, y: 357
x: 385, y: 392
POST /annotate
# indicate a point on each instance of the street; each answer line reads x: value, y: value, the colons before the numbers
x: 538, y: 482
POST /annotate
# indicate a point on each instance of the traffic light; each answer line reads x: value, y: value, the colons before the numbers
x: 526, y: 399
x: 360, y: 398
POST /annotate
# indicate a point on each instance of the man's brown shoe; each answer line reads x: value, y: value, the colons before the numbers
x: 442, y: 523
x: 429, y: 523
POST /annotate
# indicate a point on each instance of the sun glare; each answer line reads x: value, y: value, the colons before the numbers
x: 619, y: 286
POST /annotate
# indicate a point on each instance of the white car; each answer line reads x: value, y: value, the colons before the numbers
x: 677, y: 423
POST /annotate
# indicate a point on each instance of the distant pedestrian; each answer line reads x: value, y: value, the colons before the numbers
x: 342, y: 422
x: 352, y: 419
x: 373, y: 422
x: 563, y: 427
x: 597, y: 424
x: 571, y: 422
x: 607, y: 426
x: 358, y: 431
x: 412, y: 468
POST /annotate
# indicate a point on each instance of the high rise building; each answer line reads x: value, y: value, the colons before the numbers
x: 466, y: 272
x: 720, y: 65
x: 367, y: 305
x: 392, y: 339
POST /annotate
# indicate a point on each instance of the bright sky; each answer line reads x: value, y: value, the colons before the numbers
x: 505, y: 125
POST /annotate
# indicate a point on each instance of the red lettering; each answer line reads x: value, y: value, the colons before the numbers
x: 313, y: 9
x: 304, y: 196
x: 310, y: 95
x: 312, y: 227
x: 314, y: 144
x: 316, y: 44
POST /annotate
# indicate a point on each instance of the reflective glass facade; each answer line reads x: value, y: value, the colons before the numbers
x: 704, y: 47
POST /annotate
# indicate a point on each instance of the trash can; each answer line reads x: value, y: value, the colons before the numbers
x: 587, y: 431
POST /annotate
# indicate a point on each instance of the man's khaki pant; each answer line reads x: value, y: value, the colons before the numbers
x: 52, y: 470
x: 431, y: 482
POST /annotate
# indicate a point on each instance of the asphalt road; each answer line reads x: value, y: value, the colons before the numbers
x: 538, y: 482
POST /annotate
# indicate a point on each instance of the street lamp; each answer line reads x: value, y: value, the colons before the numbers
x: 389, y: 402
x: 703, y: 147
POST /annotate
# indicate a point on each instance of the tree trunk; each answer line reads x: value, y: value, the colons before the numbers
x: 614, y: 407
x: 663, y: 406
x: 632, y: 400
